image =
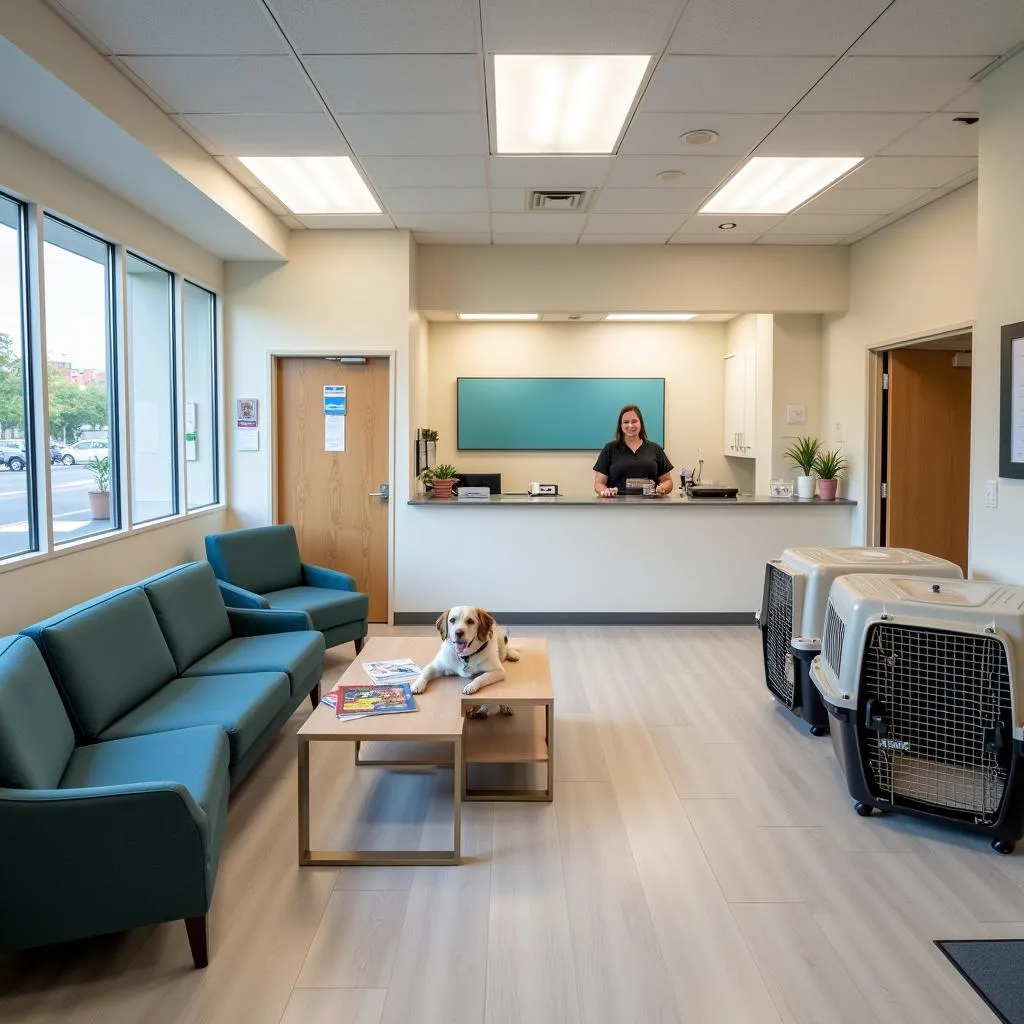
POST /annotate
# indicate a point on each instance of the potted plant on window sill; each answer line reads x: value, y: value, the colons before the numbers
x: 830, y: 465
x: 802, y: 453
x: 443, y: 478
x: 99, y: 499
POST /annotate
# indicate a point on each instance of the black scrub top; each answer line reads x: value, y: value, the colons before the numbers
x: 619, y: 464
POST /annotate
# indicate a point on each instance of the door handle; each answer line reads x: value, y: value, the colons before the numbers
x: 383, y: 493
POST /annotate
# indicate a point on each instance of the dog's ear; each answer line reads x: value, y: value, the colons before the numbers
x: 442, y: 624
x: 486, y: 624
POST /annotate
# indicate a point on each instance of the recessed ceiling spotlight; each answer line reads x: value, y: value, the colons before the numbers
x: 727, y: 225
x: 699, y: 137
x: 671, y: 175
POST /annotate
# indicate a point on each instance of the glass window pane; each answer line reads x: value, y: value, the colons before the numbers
x: 80, y: 380
x: 151, y: 382
x: 17, y: 533
x: 200, y: 334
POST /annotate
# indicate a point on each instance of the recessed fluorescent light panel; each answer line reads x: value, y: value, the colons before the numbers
x: 650, y: 316
x: 777, y: 184
x: 314, y: 184
x: 547, y: 103
x: 498, y: 316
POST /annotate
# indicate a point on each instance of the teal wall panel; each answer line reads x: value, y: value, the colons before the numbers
x: 552, y: 413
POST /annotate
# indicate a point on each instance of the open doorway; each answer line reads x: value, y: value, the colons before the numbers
x: 924, y: 450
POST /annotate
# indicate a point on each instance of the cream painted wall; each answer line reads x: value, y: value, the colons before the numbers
x: 997, y: 535
x: 688, y: 356
x: 915, y: 278
x: 796, y: 381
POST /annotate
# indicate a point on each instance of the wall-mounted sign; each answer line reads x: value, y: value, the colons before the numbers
x: 335, y: 408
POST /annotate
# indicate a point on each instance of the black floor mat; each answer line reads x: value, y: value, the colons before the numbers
x: 995, y: 970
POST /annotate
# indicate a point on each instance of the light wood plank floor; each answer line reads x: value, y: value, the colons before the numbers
x: 701, y: 863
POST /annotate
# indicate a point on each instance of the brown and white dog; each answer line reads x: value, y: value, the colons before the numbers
x: 473, y: 646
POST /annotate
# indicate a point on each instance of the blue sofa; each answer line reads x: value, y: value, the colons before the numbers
x: 124, y: 724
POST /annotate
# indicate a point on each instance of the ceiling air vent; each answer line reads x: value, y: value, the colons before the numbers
x: 557, y: 200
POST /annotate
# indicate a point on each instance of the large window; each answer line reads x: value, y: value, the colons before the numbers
x: 80, y: 380
x: 152, y: 391
x: 17, y: 532
x: 200, y: 395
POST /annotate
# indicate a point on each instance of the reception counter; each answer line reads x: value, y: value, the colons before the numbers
x: 602, y: 560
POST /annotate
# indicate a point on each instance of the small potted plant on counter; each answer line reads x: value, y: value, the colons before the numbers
x: 443, y: 478
x: 802, y: 453
x: 830, y: 465
x: 99, y: 499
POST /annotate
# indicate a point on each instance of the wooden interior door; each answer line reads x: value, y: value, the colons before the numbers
x: 929, y: 453
x: 328, y: 495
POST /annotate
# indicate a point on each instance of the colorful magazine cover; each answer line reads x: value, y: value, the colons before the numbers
x: 395, y: 670
x: 358, y: 701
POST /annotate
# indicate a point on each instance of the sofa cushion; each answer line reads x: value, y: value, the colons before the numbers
x: 36, y: 738
x: 106, y: 656
x: 259, y: 559
x: 190, y: 610
x: 195, y: 758
x: 300, y: 654
x: 242, y: 705
x: 326, y: 608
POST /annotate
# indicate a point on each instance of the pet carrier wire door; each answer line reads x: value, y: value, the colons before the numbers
x: 792, y: 615
x: 922, y: 682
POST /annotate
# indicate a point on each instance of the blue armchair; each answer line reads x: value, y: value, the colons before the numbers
x: 262, y: 568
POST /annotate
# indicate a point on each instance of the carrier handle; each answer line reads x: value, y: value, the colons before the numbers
x: 876, y: 717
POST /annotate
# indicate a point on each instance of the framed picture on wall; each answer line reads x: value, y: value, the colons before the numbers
x: 1011, y: 403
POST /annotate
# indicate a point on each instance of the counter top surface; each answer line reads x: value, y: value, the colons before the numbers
x: 583, y: 501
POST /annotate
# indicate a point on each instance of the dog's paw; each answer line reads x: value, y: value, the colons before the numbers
x: 505, y: 709
x: 419, y: 686
x: 512, y: 654
x: 471, y: 687
x: 477, y: 711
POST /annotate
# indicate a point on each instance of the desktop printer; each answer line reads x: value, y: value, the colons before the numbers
x: 536, y: 489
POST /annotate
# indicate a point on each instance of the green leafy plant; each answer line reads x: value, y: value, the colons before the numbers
x: 830, y: 464
x: 100, y: 469
x: 442, y: 472
x: 426, y: 434
x: 803, y: 453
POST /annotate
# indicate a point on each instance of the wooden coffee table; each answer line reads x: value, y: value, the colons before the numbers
x: 527, y: 737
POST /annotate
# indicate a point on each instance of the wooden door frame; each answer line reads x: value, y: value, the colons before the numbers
x: 391, y: 355
x: 873, y: 490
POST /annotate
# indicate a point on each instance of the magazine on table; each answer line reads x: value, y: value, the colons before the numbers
x: 353, y: 701
x: 395, y: 670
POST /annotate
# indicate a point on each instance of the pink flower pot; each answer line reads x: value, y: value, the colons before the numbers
x: 827, y: 489
x: 443, y: 488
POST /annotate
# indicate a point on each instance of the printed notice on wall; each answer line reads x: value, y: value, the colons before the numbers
x: 1017, y: 401
x: 335, y: 407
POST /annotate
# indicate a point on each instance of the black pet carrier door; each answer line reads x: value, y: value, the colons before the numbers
x: 935, y: 720
x: 777, y: 635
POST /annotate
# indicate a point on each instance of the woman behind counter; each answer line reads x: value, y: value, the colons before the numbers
x: 630, y: 459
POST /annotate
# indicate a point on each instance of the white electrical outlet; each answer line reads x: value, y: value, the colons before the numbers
x: 991, y: 494
x: 796, y: 413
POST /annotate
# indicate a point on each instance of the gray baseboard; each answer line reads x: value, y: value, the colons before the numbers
x: 599, y: 618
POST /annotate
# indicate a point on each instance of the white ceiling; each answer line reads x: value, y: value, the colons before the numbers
x: 404, y: 89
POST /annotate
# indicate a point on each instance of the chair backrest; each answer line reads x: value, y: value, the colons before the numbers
x: 36, y: 738
x: 262, y: 559
x: 190, y: 610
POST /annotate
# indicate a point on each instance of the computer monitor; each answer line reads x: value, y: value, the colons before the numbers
x: 492, y: 480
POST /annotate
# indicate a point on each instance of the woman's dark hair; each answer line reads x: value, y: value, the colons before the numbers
x: 618, y: 422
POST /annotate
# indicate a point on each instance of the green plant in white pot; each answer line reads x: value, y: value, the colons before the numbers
x: 802, y: 453
x: 99, y: 499
x: 830, y: 465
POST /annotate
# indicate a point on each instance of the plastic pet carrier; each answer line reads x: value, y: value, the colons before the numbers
x: 922, y: 682
x: 792, y: 616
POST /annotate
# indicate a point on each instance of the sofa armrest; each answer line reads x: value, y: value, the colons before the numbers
x: 329, y: 579
x: 236, y: 597
x: 258, y: 621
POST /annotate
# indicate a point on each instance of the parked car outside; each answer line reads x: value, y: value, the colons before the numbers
x: 11, y: 457
x: 83, y: 451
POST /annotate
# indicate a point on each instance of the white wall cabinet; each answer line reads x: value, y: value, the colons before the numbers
x: 740, y: 403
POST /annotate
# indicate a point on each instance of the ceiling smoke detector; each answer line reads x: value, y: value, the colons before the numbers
x: 699, y: 137
x: 557, y: 200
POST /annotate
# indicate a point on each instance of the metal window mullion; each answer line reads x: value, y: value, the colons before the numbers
x: 120, y: 356
x: 181, y: 467
x: 218, y: 417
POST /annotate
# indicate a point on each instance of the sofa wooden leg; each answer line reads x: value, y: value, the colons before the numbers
x: 314, y: 695
x: 197, y: 940
x: 359, y: 644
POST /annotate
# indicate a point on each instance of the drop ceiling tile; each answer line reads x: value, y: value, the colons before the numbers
x: 270, y: 134
x: 642, y: 171
x: 782, y: 27
x: 650, y: 134
x: 732, y: 84
x: 863, y: 200
x: 192, y: 131
x: 576, y: 26
x: 509, y: 200
x: 348, y: 222
x: 464, y: 223
x: 945, y: 27
x: 777, y: 238
x: 399, y: 84
x: 528, y: 238
x: 707, y: 224
x: 633, y: 223
x: 452, y: 238
x: 835, y: 134
x: 380, y: 26
x: 589, y: 238
x: 909, y: 171
x: 228, y: 85
x: 684, y: 237
x: 185, y: 26
x: 968, y: 102
x: 415, y: 134
x: 939, y: 135
x: 435, y: 200
x: 549, y: 172
x: 827, y: 224
x: 649, y: 200
x: 139, y: 84
x: 538, y: 223
x: 892, y: 84
x: 426, y: 171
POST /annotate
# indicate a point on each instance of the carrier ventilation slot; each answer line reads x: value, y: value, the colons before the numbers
x: 778, y: 634
x: 832, y: 644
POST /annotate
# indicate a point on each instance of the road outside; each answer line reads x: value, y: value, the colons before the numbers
x: 71, y: 516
